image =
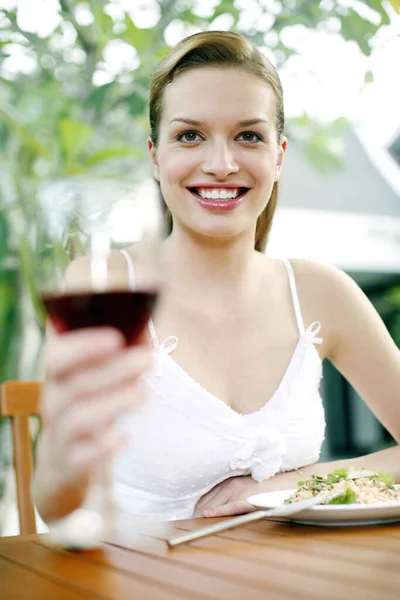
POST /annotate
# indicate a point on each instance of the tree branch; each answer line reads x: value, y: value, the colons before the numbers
x: 88, y: 45
x: 31, y: 38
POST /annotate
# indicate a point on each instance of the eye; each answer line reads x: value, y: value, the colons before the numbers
x: 189, y: 137
x: 250, y: 137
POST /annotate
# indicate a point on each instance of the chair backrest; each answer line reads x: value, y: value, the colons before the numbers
x: 19, y: 400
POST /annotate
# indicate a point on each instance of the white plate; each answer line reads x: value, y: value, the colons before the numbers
x: 333, y: 514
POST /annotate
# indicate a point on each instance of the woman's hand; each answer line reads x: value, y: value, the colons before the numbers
x: 91, y: 380
x: 227, y: 498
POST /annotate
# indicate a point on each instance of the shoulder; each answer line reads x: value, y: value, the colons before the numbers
x: 305, y: 268
x: 323, y: 279
x: 331, y: 296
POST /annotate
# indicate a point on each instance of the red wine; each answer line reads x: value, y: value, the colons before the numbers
x: 127, y: 311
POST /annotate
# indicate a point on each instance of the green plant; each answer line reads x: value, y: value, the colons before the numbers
x: 59, y: 121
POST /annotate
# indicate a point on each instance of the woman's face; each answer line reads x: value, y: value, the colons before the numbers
x: 217, y: 156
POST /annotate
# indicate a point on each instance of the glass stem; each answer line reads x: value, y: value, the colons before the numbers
x: 100, y: 493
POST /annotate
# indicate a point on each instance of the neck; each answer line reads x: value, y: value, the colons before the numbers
x: 217, y: 266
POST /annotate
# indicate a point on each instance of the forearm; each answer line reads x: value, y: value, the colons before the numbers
x: 387, y: 461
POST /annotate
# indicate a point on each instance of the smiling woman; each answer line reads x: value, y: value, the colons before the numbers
x: 219, y: 155
x: 231, y: 67
x: 237, y: 409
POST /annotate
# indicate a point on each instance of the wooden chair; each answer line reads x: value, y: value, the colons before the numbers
x: 19, y: 400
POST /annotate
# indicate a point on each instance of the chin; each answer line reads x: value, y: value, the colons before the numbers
x: 221, y: 232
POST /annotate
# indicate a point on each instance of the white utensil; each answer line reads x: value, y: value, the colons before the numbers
x: 282, y: 511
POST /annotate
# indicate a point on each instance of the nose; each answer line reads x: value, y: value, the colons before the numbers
x: 220, y: 161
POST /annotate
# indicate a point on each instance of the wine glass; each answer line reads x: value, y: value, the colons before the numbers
x: 114, y: 230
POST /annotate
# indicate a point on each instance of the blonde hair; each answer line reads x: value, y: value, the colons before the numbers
x: 218, y: 48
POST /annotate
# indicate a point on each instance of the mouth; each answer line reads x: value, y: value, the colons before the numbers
x: 219, y: 198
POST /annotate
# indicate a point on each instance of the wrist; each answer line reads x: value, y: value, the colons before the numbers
x: 53, y: 493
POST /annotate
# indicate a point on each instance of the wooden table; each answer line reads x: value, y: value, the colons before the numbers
x: 263, y: 561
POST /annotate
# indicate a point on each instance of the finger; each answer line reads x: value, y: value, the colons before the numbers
x: 239, y: 507
x: 67, y: 352
x: 86, y: 456
x: 211, y: 498
x: 90, y: 419
x: 123, y: 369
x: 126, y: 366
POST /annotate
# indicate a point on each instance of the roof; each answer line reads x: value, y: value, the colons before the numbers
x: 353, y: 242
x: 349, y: 217
x: 359, y: 187
x: 394, y: 147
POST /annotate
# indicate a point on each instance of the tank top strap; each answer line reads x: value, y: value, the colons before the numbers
x: 131, y: 269
x: 153, y: 334
x: 295, y: 295
x: 132, y: 282
x: 312, y: 330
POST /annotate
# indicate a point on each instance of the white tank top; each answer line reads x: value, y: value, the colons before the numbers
x: 183, y: 440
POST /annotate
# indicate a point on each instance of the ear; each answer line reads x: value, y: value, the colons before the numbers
x: 154, y: 160
x: 281, y: 156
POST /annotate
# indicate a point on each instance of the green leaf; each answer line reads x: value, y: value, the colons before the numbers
x: 137, y: 104
x: 355, y: 473
x: 337, y: 475
x: 27, y: 269
x: 162, y: 51
x: 386, y: 478
x: 103, y: 24
x: 378, y: 5
x: 112, y: 152
x: 358, y: 29
x: 31, y: 142
x: 320, y: 155
x: 6, y: 303
x: 394, y: 296
x: 75, y: 137
x: 141, y: 39
x: 369, y: 77
x: 300, y: 121
x: 229, y: 7
x: 286, y: 20
x: 349, y: 497
x: 99, y: 96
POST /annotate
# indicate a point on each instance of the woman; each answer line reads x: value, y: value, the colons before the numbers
x: 237, y: 408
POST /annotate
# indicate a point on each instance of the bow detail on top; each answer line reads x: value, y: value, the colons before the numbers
x: 167, y: 346
x: 262, y: 454
x: 311, y: 332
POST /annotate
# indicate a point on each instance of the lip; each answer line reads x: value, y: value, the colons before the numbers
x: 218, y: 205
x: 218, y: 186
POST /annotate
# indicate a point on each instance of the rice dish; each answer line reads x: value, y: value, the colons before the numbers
x: 359, y: 486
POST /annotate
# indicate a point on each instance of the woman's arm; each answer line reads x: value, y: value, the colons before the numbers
x: 357, y: 342
x: 229, y: 497
x: 91, y: 379
x: 386, y: 461
x: 362, y: 349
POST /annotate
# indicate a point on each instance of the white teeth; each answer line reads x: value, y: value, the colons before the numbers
x: 219, y: 194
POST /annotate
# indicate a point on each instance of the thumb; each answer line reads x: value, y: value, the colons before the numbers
x: 239, y: 507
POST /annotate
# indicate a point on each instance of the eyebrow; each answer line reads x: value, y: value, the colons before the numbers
x: 246, y: 123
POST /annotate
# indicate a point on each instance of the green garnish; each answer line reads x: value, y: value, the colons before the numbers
x: 386, y: 478
x: 349, y: 497
x: 314, y: 484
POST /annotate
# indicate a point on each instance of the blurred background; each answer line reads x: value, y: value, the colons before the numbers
x: 73, y: 106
